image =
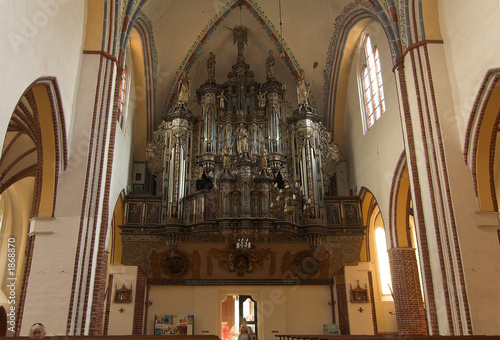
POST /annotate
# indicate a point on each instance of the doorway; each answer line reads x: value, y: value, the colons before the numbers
x: 236, y: 309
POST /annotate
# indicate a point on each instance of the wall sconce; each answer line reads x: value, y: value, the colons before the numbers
x: 331, y: 303
x: 148, y: 303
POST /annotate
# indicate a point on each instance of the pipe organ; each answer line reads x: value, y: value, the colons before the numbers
x: 242, y: 171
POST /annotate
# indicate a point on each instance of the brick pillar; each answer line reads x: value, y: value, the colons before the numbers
x: 140, y: 302
x: 410, y: 313
x: 342, y: 303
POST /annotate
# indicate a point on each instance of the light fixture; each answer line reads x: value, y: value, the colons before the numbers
x: 243, y: 244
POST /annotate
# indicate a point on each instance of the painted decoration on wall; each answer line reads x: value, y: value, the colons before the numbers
x: 123, y: 295
x: 174, y: 324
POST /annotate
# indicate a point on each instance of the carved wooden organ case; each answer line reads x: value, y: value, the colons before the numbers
x: 240, y: 168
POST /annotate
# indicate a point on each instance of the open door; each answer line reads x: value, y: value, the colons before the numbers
x: 248, y: 311
x: 234, y: 309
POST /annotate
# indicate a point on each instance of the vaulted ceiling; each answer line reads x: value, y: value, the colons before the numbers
x: 186, y: 31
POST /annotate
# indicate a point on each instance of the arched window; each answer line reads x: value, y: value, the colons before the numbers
x: 373, y: 89
x: 383, y: 261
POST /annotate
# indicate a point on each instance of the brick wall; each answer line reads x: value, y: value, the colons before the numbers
x: 410, y: 313
x: 140, y: 302
x: 342, y: 303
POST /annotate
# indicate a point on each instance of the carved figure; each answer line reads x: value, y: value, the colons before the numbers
x: 302, y: 89
x: 240, y: 37
x: 184, y: 90
x: 262, y: 99
x: 222, y: 100
x: 211, y: 66
x: 263, y: 158
x: 226, y: 159
x: 270, y: 65
x: 242, y: 141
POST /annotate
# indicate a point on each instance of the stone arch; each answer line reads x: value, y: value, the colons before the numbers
x: 114, y: 244
x: 33, y: 156
x: 35, y: 144
x: 408, y: 300
x: 369, y: 206
x: 481, y: 142
x: 349, y: 26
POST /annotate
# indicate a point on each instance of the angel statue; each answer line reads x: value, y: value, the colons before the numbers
x: 240, y: 37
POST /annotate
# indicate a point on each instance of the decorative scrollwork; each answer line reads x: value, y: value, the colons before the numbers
x: 330, y: 155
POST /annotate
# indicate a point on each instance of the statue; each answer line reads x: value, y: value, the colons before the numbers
x: 184, y: 90
x: 302, y: 90
x: 226, y: 157
x: 263, y: 158
x: 242, y: 141
x: 270, y: 65
x: 240, y: 37
x: 222, y: 99
x: 211, y: 66
x: 262, y: 99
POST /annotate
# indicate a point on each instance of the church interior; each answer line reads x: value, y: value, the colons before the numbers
x: 300, y: 167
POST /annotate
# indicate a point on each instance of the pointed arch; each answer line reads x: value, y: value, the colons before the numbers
x: 349, y: 26
x: 399, y: 207
x: 35, y: 144
x: 368, y: 206
x: 481, y: 140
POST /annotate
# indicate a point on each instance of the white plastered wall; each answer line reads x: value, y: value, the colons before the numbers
x: 281, y: 309
x: 121, y: 315
x: 372, y: 156
x: 39, y: 39
x: 44, y: 39
x: 371, y: 161
x: 470, y: 31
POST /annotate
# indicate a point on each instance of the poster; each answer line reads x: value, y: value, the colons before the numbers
x: 174, y: 324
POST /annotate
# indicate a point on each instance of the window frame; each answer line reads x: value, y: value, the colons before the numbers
x: 371, y: 84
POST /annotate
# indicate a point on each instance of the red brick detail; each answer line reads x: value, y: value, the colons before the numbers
x: 140, y: 302
x: 76, y: 291
x: 146, y: 310
x: 417, y: 204
x: 372, y: 302
x: 96, y: 322
x: 108, y: 305
x: 408, y: 301
x: 342, y: 303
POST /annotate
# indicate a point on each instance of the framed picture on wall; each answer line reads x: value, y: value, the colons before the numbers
x: 152, y: 212
x: 134, y: 212
x: 351, y: 213
x: 123, y: 295
x: 359, y: 295
x: 333, y: 214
